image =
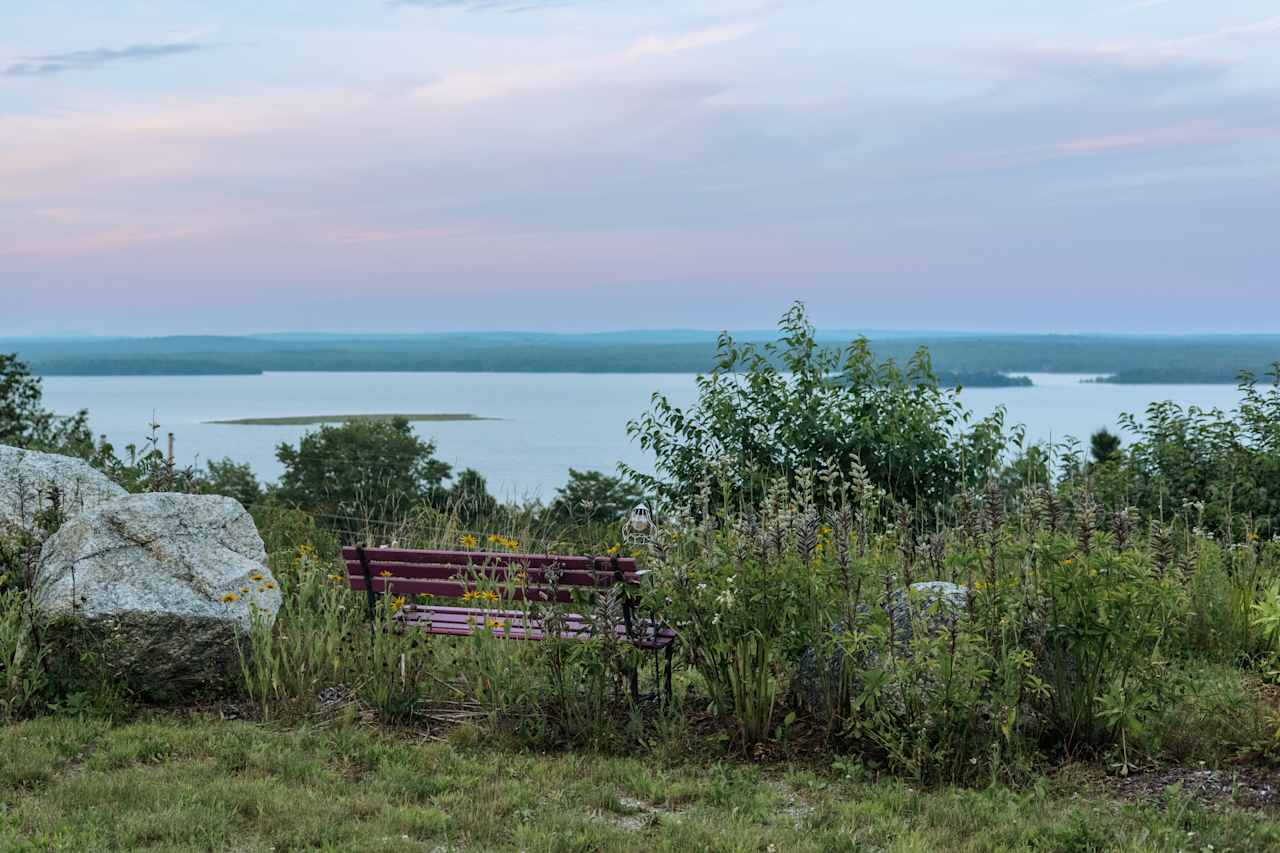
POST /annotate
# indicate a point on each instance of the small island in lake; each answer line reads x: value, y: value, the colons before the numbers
x: 313, y: 420
x: 982, y: 379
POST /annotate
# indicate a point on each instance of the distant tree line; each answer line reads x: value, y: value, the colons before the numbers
x: 972, y: 360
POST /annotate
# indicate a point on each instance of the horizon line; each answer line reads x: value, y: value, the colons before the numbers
x: 820, y: 332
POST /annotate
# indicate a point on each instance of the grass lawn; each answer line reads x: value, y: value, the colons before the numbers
x: 206, y: 784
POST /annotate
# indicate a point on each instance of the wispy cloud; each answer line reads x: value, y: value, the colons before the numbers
x: 1142, y: 4
x: 84, y: 60
x: 490, y: 5
x: 1149, y: 139
x: 1112, y: 66
x: 1265, y: 28
x: 682, y: 42
x: 567, y: 74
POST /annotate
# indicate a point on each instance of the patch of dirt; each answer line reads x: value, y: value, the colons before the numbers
x: 640, y: 816
x: 795, y: 806
x: 1244, y: 787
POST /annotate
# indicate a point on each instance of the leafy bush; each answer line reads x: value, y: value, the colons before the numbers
x: 1225, y: 466
x: 364, y: 468
x: 24, y: 422
x: 232, y: 479
x: 594, y: 497
x: 772, y: 410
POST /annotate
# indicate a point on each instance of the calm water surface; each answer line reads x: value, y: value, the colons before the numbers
x: 548, y: 422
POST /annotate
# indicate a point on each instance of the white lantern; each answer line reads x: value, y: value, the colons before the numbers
x: 639, y: 526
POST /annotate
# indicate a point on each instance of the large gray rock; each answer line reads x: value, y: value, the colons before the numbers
x: 934, y: 602
x: 931, y: 604
x: 159, y: 588
x: 29, y: 482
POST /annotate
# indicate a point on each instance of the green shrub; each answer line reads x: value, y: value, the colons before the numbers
x: 789, y: 405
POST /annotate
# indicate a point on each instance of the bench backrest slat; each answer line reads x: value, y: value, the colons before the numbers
x: 452, y: 574
x: 479, y: 558
x: 500, y: 574
x: 574, y: 571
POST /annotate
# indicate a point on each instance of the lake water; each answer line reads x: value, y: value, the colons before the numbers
x: 546, y: 422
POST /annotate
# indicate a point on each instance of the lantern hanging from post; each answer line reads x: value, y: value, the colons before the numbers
x: 639, y: 527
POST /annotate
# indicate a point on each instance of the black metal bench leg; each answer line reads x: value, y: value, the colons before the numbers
x: 634, y: 676
x: 666, y: 676
x: 370, y: 595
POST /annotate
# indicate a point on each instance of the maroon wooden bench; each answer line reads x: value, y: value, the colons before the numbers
x: 524, y: 583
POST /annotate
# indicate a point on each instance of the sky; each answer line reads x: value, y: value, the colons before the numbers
x: 192, y: 166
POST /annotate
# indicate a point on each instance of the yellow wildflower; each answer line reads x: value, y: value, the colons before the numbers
x: 257, y: 576
x: 266, y: 586
x: 521, y: 576
x: 337, y: 578
x: 1251, y: 536
x: 244, y: 590
x: 1068, y: 561
x: 470, y: 596
x: 489, y: 595
x: 397, y: 603
x: 494, y: 624
x: 637, y: 554
x: 468, y: 541
x: 230, y: 597
x: 384, y: 574
x: 613, y: 549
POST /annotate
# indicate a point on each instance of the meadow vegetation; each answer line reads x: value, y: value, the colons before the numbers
x: 899, y: 628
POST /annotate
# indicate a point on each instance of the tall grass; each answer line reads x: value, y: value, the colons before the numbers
x: 1068, y: 635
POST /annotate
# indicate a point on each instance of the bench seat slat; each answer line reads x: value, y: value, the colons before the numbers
x: 516, y: 625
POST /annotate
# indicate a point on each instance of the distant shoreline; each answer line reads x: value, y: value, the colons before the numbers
x: 316, y: 420
x: 997, y: 379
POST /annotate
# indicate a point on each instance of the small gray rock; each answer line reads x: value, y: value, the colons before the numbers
x: 161, y: 585
x: 29, y: 480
